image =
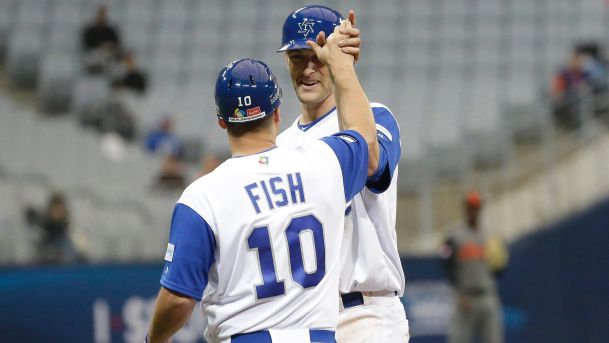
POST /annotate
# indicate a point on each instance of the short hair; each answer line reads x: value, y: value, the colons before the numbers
x: 239, y: 129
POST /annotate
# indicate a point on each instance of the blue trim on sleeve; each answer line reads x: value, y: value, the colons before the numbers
x: 388, y: 135
x: 193, y: 254
x: 351, y: 151
x: 305, y: 127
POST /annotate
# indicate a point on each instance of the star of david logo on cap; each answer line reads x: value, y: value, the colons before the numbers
x: 306, y: 27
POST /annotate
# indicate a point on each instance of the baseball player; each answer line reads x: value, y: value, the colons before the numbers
x: 471, y: 263
x: 371, y: 273
x: 258, y: 239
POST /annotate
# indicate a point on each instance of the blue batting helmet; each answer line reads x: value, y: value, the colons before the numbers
x: 304, y: 24
x: 246, y: 90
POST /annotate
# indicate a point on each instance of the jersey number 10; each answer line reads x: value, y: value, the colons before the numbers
x: 259, y: 239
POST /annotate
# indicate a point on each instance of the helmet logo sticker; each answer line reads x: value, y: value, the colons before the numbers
x: 253, y: 111
x: 241, y: 116
x: 306, y: 26
x: 239, y: 113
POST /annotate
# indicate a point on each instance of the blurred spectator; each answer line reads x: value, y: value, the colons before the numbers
x: 172, y: 175
x: 110, y: 115
x: 118, y: 117
x: 162, y: 139
x: 55, y: 245
x: 100, y: 42
x: 585, y: 75
x: 130, y: 76
x: 472, y: 261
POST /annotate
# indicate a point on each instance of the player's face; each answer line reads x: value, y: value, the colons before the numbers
x: 310, y: 78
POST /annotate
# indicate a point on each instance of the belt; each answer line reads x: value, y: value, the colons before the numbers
x: 316, y: 336
x: 357, y: 298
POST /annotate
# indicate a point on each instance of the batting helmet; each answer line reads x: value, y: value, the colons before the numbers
x: 304, y: 24
x: 246, y: 90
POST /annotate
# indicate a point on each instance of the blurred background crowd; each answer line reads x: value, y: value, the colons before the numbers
x: 107, y: 114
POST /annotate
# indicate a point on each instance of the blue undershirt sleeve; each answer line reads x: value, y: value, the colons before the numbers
x: 351, y: 150
x: 388, y: 135
x: 190, y: 253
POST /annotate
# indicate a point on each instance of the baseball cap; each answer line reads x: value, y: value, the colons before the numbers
x: 473, y: 198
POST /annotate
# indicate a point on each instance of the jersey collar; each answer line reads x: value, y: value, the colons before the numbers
x: 305, y: 127
x: 256, y: 153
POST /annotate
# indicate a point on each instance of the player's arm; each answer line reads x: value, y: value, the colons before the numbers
x: 353, y: 107
x: 190, y: 255
x: 171, y: 312
x: 390, y: 149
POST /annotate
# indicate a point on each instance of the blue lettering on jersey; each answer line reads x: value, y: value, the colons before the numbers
x: 278, y: 191
x: 277, y: 196
x: 266, y: 193
x: 296, y: 188
x: 254, y: 198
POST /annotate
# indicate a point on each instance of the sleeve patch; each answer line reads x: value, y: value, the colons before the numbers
x: 169, y: 252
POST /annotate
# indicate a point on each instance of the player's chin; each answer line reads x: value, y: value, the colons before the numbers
x: 309, y: 93
x: 308, y: 97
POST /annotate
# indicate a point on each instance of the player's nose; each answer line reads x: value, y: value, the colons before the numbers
x: 309, y: 68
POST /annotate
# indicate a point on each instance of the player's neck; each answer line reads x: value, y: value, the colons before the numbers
x: 250, y: 144
x: 312, y: 112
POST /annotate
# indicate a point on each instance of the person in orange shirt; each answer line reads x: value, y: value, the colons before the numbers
x: 472, y: 261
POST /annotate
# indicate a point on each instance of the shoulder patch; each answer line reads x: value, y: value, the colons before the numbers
x: 169, y: 252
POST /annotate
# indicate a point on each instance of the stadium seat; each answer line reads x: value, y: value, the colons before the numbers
x: 89, y: 92
x: 55, y: 88
x: 24, y: 53
x: 31, y: 14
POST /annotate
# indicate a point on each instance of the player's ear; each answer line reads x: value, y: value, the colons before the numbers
x: 222, y: 124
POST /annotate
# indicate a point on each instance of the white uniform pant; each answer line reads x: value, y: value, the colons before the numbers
x: 381, y: 319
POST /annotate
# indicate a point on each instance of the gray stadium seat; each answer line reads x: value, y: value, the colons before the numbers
x: 525, y: 122
x: 88, y: 92
x: 31, y: 14
x: 6, y: 21
x: 139, y: 11
x: 68, y: 13
x: 176, y: 11
x: 55, y: 88
x: 24, y: 53
x: 488, y: 150
x: 449, y: 161
x: 169, y: 36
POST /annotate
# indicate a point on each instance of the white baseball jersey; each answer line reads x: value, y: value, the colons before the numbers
x: 258, y: 239
x: 369, y: 257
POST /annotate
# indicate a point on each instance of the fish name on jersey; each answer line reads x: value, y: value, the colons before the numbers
x: 277, y: 191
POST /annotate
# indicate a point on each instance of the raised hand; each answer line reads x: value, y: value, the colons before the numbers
x: 328, y: 50
x: 352, y: 44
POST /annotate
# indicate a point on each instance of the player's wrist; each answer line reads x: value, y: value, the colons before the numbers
x: 342, y: 70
